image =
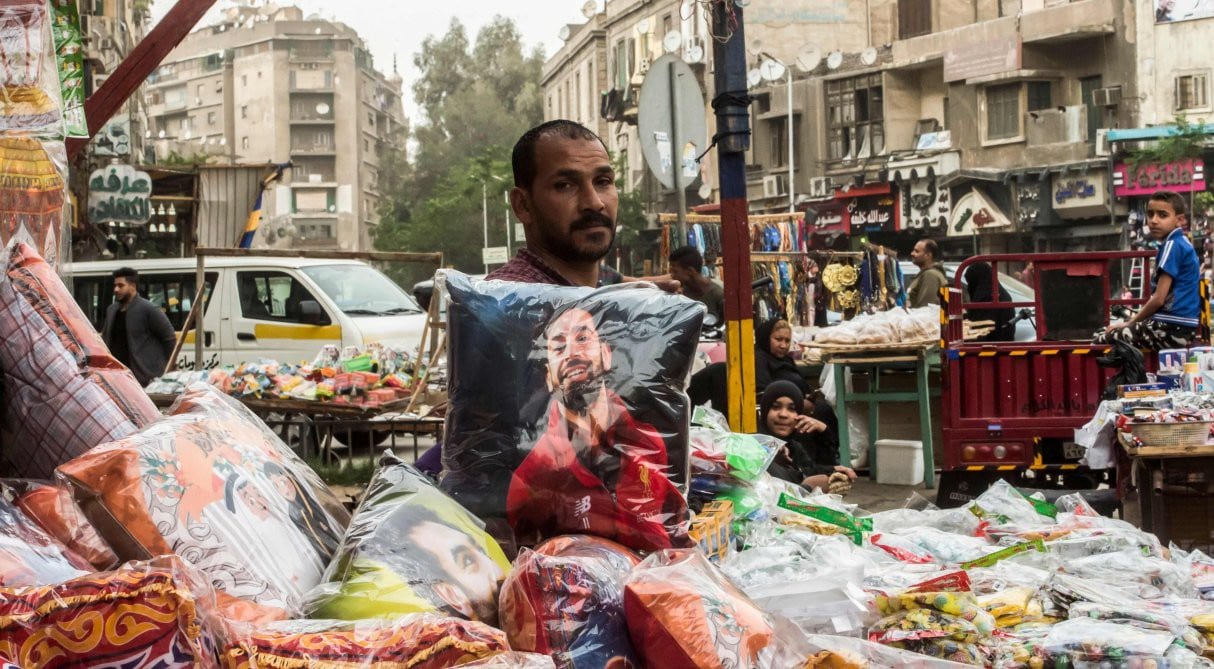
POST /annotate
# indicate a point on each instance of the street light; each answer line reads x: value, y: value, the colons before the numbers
x: 769, y: 70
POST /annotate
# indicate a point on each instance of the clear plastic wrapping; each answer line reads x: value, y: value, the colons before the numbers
x: 566, y: 599
x: 411, y: 549
x: 417, y: 641
x: 158, y: 613
x: 567, y: 410
x: 213, y: 484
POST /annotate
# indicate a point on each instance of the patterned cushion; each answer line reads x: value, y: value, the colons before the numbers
x: 64, y: 392
x: 595, y: 446
x: 54, y: 510
x: 566, y: 599
x: 144, y: 615
x: 29, y: 556
x: 418, y: 641
x: 411, y: 549
x: 214, y: 485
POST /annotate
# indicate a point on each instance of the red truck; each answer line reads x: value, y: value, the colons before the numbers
x: 1009, y: 409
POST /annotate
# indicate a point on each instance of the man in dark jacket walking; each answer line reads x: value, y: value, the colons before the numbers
x: 137, y: 331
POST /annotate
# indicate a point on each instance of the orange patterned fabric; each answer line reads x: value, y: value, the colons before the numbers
x: 420, y: 641
x: 143, y: 616
x: 64, y: 393
x: 52, y: 508
x: 213, y: 484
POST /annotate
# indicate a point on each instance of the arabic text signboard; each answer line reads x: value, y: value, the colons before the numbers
x: 120, y: 194
x: 1182, y: 176
x: 873, y: 213
x: 1080, y: 197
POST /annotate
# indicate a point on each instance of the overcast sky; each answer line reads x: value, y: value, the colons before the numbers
x: 397, y: 27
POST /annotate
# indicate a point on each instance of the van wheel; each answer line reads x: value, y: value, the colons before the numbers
x: 360, y: 439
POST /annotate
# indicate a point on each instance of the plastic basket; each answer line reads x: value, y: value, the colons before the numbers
x: 1172, y: 435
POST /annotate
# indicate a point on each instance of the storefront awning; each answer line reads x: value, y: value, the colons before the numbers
x: 1155, y: 132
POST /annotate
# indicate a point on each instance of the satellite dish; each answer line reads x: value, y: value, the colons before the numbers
x: 705, y: 191
x: 868, y: 56
x: 809, y: 58
x: 160, y: 134
x: 188, y: 135
x: 834, y: 60
x: 590, y: 9
x: 322, y: 108
x: 643, y: 26
x: 564, y: 33
x: 672, y: 41
x: 695, y: 54
x: 771, y: 70
x: 754, y: 77
x: 754, y: 47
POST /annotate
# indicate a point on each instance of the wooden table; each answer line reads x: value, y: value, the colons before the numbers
x: 876, y: 362
x: 1175, y: 492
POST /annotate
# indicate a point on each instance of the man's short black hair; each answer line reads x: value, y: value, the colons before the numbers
x: 127, y: 273
x: 522, y: 159
x: 930, y: 246
x: 687, y: 256
x: 1179, y: 206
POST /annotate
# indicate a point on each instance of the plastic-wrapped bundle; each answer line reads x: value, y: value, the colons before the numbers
x: 30, y: 556
x: 52, y: 508
x: 835, y: 652
x: 416, y: 641
x: 511, y: 660
x: 566, y: 599
x: 924, y: 545
x: 146, y: 614
x: 410, y: 549
x: 567, y: 411
x: 63, y: 391
x: 684, y: 614
x: 1084, y: 639
x: 1146, y: 577
x: 213, y: 484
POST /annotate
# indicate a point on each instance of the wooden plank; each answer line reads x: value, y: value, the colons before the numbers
x: 138, y: 64
x: 309, y: 407
x: 1199, y: 451
x: 385, y: 256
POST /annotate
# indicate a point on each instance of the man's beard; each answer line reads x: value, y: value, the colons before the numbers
x: 577, y: 397
x: 563, y: 246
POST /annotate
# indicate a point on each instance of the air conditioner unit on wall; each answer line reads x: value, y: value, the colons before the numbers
x: 1102, y: 142
x: 821, y: 187
x: 1107, y: 97
x: 772, y: 185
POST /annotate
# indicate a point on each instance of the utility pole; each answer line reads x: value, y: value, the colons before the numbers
x: 733, y: 139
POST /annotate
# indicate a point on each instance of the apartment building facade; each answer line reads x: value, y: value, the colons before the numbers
x: 981, y: 123
x: 271, y: 85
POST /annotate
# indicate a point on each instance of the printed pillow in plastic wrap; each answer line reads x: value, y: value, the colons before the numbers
x: 30, y: 556
x: 415, y: 641
x: 684, y: 614
x: 146, y: 614
x: 566, y: 599
x: 63, y: 391
x: 54, y: 510
x: 566, y: 408
x: 410, y: 549
x: 214, y: 485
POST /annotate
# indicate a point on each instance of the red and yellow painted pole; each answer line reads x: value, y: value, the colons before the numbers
x: 731, y: 103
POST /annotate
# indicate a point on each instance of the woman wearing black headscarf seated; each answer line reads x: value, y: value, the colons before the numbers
x: 773, y: 341
x: 811, y: 454
x: 979, y: 287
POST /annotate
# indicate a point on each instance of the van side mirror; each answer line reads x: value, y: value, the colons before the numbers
x: 311, y: 313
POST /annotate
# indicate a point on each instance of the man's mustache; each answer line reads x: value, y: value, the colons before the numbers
x: 592, y: 219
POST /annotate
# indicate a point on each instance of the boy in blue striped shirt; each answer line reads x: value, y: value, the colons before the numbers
x: 1169, y: 318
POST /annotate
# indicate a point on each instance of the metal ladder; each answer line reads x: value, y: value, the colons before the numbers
x: 1137, y: 276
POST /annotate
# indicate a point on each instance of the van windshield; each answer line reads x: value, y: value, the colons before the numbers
x: 359, y: 290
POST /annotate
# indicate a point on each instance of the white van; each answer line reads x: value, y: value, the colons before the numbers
x: 284, y: 309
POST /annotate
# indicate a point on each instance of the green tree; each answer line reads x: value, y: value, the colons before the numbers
x: 475, y: 100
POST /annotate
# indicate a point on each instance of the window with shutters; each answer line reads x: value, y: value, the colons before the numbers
x: 1193, y: 92
x: 855, y: 117
x: 914, y: 18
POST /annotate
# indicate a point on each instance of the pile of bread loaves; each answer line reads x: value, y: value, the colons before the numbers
x: 885, y: 327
